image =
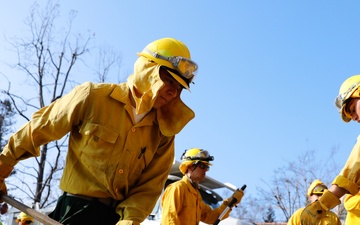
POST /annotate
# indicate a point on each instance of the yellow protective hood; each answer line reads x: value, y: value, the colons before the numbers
x: 144, y: 85
x: 345, y: 115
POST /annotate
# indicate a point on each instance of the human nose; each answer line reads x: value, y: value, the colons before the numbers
x: 172, y: 91
x: 355, y: 117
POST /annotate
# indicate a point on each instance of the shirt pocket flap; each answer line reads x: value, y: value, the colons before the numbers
x: 99, y: 131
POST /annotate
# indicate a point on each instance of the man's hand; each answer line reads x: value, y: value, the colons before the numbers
x: 313, y: 213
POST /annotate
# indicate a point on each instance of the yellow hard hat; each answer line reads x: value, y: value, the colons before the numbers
x: 175, y: 56
x: 317, y: 187
x: 349, y: 89
x: 194, y: 155
x: 24, y: 217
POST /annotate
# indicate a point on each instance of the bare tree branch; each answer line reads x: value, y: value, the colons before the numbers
x: 289, y: 184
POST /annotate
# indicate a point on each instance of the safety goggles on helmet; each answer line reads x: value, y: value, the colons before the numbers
x: 319, y: 190
x: 202, y: 155
x: 185, y: 67
x: 341, y: 98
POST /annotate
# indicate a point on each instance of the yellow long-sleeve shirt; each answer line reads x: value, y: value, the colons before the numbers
x: 108, y: 154
x: 330, y: 218
x: 182, y: 205
x: 352, y: 205
x: 349, y: 177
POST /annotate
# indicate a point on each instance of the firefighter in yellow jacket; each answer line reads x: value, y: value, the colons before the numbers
x: 315, y: 190
x: 121, y: 143
x: 348, y: 180
x: 182, y: 203
x: 352, y: 206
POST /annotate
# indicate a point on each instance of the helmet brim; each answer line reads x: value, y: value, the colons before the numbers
x: 179, y: 79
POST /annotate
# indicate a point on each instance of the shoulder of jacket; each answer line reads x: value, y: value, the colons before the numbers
x: 99, y: 85
x: 105, y: 88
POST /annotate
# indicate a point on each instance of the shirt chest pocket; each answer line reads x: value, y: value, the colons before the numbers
x: 190, y: 202
x: 98, y: 144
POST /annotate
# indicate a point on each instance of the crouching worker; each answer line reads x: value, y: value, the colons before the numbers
x: 315, y: 191
x: 23, y: 219
x: 121, y: 138
x: 182, y: 203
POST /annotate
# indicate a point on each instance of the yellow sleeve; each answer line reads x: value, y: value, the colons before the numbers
x: 171, y: 203
x: 349, y: 177
x: 352, y: 203
x: 295, y: 217
x: 149, y: 184
x: 50, y: 123
x: 209, y: 215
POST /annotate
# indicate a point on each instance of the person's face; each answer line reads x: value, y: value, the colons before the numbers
x: 169, y: 91
x: 353, y: 108
x: 25, y: 222
x: 314, y: 197
x: 198, y: 172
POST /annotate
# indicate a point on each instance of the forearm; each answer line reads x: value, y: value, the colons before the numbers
x: 338, y: 191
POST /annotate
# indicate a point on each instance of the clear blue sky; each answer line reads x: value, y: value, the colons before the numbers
x: 269, y: 72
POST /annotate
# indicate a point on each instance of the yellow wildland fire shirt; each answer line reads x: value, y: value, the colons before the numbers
x: 352, y: 206
x: 182, y: 204
x: 108, y: 154
x: 330, y: 218
x: 349, y: 177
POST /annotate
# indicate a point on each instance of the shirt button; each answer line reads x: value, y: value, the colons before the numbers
x: 133, y: 129
x: 96, y: 139
x: 121, y: 171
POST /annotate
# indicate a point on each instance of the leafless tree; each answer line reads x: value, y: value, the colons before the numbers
x: 107, y: 60
x: 250, y: 209
x: 6, y: 120
x: 45, y: 59
x: 288, y: 188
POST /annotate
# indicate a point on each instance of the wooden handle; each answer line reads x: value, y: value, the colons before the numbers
x: 29, y: 211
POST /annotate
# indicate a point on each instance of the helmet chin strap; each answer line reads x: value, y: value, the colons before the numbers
x: 192, y: 169
x: 196, y: 165
x: 189, y: 169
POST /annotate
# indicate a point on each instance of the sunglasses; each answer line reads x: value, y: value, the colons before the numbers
x: 202, y: 165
